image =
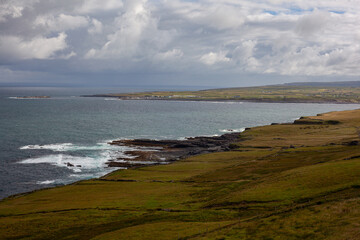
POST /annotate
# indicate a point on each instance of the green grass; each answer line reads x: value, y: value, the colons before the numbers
x: 303, y: 182
x: 287, y: 181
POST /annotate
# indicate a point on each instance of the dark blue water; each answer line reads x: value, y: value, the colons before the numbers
x: 38, y: 137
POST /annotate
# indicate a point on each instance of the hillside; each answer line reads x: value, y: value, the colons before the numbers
x: 282, y: 181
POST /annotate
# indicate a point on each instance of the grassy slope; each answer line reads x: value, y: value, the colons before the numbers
x: 280, y: 93
x: 262, y: 190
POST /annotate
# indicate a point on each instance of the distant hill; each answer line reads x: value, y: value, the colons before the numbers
x: 326, y: 84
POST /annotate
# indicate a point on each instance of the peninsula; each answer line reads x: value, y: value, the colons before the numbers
x: 296, y: 180
x: 285, y: 93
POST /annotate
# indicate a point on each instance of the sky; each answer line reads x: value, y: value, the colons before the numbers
x: 220, y: 43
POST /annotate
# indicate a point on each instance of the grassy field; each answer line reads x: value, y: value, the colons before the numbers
x: 286, y: 181
x: 276, y: 93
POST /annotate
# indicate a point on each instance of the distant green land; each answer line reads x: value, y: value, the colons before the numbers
x: 275, y: 93
x: 284, y: 181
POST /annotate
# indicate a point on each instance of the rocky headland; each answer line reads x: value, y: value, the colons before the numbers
x: 148, y: 151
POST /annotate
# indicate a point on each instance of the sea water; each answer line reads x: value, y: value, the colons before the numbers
x: 63, y: 139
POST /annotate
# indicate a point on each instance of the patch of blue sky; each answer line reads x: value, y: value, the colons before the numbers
x: 337, y: 11
x: 298, y: 11
x: 271, y: 12
x: 295, y: 10
x: 290, y: 11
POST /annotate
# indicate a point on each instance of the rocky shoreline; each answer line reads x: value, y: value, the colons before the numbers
x: 150, y: 152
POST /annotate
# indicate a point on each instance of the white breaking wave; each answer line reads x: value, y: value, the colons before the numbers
x: 210, y: 135
x: 65, y: 147
x: 229, y: 130
x: 60, y: 147
x: 91, y: 165
x: 45, y: 182
x: 95, y: 162
x: 224, y: 102
x: 71, y: 162
x: 28, y: 98
x: 111, y: 99
x: 203, y: 135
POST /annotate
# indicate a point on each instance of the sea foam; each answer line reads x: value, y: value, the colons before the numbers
x: 45, y: 182
x: 59, y: 147
x: 65, y: 147
x: 111, y: 99
x: 64, y: 160
x: 65, y: 155
x: 229, y: 130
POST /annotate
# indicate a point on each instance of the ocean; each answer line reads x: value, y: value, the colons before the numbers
x: 39, y: 137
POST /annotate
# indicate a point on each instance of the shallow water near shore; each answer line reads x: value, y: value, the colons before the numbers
x: 49, y: 142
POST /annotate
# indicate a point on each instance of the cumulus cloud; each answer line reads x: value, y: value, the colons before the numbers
x: 211, y: 58
x: 312, y: 23
x: 129, y: 26
x: 170, y: 55
x: 11, y: 11
x: 96, y: 27
x: 94, y: 6
x: 135, y: 34
x: 218, y: 16
x: 16, y: 48
x: 62, y: 22
x: 292, y: 38
x: 14, y: 8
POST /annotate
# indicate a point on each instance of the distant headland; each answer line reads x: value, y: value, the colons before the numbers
x: 284, y: 93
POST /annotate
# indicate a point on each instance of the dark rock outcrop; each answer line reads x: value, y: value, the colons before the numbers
x: 159, y: 151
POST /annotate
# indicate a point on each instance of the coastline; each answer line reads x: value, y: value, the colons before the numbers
x: 152, y: 152
x: 255, y: 100
x: 54, y: 153
x: 304, y: 171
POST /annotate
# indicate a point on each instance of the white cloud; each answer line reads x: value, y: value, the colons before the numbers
x: 218, y: 16
x: 11, y: 11
x: 16, y: 48
x: 295, y: 38
x: 243, y: 55
x: 135, y: 34
x: 62, y: 22
x: 93, y: 6
x: 211, y: 58
x: 67, y: 56
x: 96, y: 28
x: 169, y: 55
x: 312, y: 23
x: 14, y: 8
x: 128, y: 27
